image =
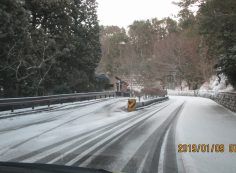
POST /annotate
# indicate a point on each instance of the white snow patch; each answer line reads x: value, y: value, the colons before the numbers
x: 215, y: 85
x: 203, y: 121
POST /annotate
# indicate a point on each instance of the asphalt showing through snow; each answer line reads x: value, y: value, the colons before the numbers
x: 130, y: 143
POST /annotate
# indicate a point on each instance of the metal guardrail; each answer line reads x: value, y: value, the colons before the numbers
x: 225, y: 98
x: 196, y: 92
x: 148, y: 102
x: 11, y: 103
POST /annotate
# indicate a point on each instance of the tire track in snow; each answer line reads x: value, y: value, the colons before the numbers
x: 49, y: 130
x: 92, y: 142
x: 41, y: 121
x: 170, y: 158
x: 47, y: 148
x: 109, y: 138
x: 153, y: 146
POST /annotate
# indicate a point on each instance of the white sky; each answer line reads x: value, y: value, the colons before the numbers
x: 123, y: 12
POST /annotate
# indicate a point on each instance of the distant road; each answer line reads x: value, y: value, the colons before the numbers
x: 104, y: 135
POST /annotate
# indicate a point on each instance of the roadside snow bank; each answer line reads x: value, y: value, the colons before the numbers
x: 215, y: 84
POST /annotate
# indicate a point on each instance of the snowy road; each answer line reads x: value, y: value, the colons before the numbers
x: 101, y: 134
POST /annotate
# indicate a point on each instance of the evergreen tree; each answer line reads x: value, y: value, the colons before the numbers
x: 14, y: 42
x: 217, y: 24
x: 48, y: 46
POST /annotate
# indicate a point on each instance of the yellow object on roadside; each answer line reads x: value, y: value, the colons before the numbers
x: 131, y: 105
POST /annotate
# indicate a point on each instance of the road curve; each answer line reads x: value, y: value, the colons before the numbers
x: 100, y: 135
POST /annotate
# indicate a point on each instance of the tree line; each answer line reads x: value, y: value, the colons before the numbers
x: 48, y: 47
x: 191, y: 50
x: 54, y: 47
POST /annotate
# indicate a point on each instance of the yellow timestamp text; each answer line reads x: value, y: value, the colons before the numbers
x: 203, y: 148
x: 206, y: 148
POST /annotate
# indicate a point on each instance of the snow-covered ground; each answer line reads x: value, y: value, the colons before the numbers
x: 213, y: 84
x: 203, y: 121
x: 53, y: 124
x: 103, y: 134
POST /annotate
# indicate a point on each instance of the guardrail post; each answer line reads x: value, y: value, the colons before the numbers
x: 12, y: 109
x: 33, y: 106
x: 48, y: 103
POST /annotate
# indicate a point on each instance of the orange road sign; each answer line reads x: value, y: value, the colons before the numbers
x: 131, y: 105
